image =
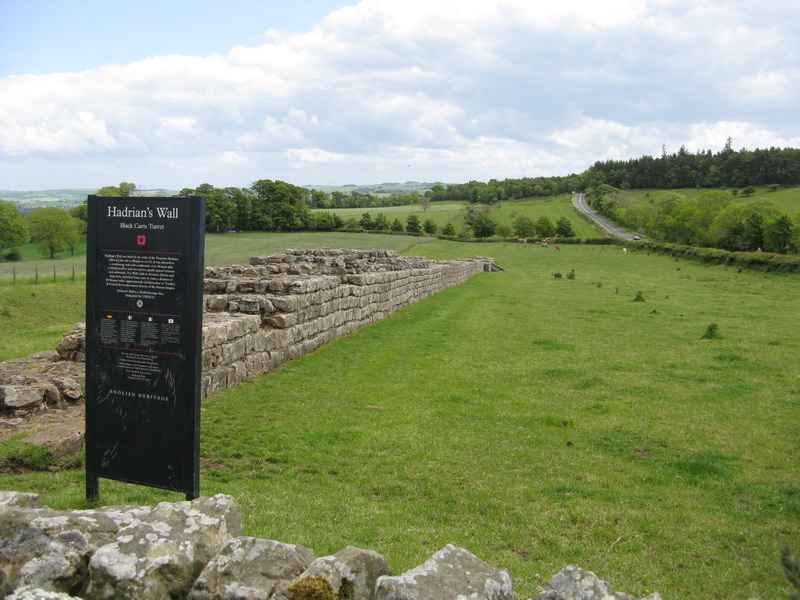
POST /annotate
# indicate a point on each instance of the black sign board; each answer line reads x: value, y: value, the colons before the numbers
x: 144, y: 282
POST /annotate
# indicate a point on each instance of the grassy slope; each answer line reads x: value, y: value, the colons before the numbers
x: 537, y: 422
x: 788, y: 199
x: 443, y: 213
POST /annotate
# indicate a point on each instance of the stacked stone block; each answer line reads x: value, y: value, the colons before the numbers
x: 282, y: 306
x: 258, y: 316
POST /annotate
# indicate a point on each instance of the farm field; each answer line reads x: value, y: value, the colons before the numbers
x: 224, y: 249
x: 788, y: 199
x: 442, y: 213
x: 537, y: 421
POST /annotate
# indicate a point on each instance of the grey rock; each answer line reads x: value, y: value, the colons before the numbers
x: 18, y: 500
x: 450, y: 574
x: 248, y: 568
x: 29, y: 592
x: 32, y: 558
x: 352, y: 567
x: 573, y: 583
x: 162, y: 556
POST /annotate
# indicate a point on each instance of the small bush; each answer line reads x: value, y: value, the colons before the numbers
x: 571, y: 274
x: 557, y: 274
x: 5, y: 312
x: 639, y: 297
x: 13, y: 255
x: 712, y: 332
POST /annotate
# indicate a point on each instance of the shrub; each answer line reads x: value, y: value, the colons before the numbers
x: 13, y: 255
x: 571, y: 274
x: 712, y: 332
x: 639, y: 297
x: 557, y: 274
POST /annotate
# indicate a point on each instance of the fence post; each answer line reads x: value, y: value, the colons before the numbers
x: 14, y: 269
x: 54, y: 274
x: 37, y: 275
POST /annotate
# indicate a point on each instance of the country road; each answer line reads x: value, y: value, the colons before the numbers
x: 580, y: 202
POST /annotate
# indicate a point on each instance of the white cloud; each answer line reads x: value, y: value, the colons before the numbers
x: 300, y: 157
x: 458, y: 90
x: 233, y: 158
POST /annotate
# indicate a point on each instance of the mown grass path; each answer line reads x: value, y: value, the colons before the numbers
x: 536, y: 421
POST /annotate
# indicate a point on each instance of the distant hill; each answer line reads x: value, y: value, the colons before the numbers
x: 61, y: 198
x: 378, y: 188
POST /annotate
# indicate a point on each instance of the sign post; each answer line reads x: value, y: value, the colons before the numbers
x: 144, y: 281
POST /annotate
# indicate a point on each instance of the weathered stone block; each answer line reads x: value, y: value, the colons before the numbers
x: 249, y: 568
x: 451, y: 573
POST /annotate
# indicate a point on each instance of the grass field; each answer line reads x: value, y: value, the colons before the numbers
x: 34, y: 317
x: 788, y: 199
x: 442, y: 213
x: 536, y: 421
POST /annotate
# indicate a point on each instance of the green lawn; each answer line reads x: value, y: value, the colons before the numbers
x: 536, y: 421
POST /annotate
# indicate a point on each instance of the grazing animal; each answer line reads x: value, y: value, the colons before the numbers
x: 558, y: 247
x: 523, y: 240
x: 624, y: 250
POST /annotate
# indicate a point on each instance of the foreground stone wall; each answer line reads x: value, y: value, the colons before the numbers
x: 257, y: 317
x: 196, y: 550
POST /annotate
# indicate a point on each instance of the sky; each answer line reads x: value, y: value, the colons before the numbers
x: 176, y: 93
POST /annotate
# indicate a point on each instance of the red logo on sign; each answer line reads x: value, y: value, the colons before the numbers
x: 141, y: 240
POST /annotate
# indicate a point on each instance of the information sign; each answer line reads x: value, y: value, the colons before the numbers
x: 143, y: 341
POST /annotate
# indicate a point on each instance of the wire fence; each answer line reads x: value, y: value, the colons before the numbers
x: 35, y: 274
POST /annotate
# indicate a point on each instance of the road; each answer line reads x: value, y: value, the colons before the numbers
x: 580, y: 202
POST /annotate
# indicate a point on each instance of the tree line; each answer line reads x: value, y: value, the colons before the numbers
x: 279, y: 206
x: 683, y: 169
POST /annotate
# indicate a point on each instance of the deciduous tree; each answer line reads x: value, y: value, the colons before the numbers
x: 524, y: 227
x: 564, y: 228
x: 13, y: 230
x: 544, y: 227
x: 52, y: 229
x: 412, y: 224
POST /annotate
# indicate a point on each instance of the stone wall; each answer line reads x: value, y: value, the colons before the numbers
x: 281, y: 307
x: 256, y: 317
x: 196, y: 550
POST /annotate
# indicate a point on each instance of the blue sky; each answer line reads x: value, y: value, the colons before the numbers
x: 173, y: 94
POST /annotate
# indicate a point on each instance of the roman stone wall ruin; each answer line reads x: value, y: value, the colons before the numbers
x: 257, y: 317
x: 281, y: 307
